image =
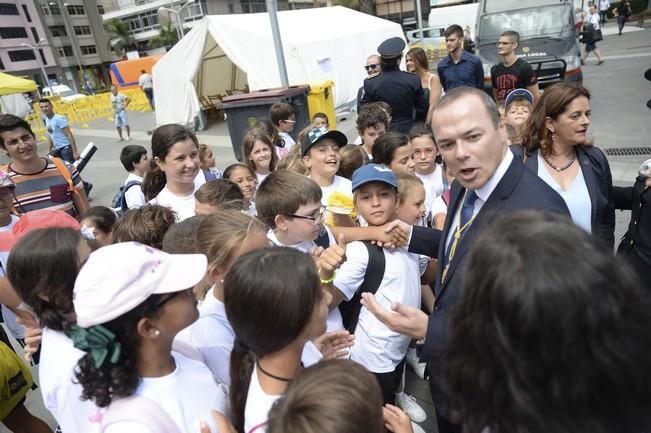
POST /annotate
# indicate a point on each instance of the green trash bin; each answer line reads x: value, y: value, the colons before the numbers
x: 244, y: 110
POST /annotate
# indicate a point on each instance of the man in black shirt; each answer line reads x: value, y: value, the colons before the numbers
x: 513, y: 72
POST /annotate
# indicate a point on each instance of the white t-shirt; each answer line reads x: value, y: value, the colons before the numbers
x: 260, y: 178
x: 340, y: 184
x: 183, y: 206
x: 145, y: 81
x: 434, y: 186
x: 258, y: 404
x: 289, y: 141
x: 187, y: 395
x: 439, y: 206
x: 376, y: 347
x: 61, y: 395
x: 334, y: 321
x: 134, y: 196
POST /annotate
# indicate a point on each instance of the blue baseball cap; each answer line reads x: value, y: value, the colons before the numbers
x: 518, y: 93
x: 374, y: 173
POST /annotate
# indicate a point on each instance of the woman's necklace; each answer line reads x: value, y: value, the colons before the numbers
x: 266, y: 373
x: 562, y: 167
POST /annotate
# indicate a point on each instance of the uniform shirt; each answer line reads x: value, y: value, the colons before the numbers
x: 506, y: 79
x: 468, y: 72
x: 55, y: 126
x: 34, y: 190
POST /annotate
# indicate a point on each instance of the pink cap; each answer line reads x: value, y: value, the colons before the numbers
x: 36, y: 219
x: 119, y: 277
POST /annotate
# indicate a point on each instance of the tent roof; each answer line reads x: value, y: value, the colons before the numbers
x: 10, y: 84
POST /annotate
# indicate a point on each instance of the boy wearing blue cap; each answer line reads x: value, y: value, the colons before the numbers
x: 380, y: 350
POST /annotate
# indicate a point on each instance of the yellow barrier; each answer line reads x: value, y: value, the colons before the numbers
x: 84, y: 110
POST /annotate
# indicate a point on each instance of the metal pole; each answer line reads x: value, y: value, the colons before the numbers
x: 278, y: 43
x: 420, y: 22
x: 180, y: 26
x: 40, y: 64
x: 73, y: 40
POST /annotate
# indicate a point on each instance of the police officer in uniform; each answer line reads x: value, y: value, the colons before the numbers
x: 401, y: 90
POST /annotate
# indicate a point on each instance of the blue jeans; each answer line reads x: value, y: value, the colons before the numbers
x: 65, y: 153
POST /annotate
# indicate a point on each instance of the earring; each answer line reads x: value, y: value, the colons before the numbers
x: 156, y: 333
x: 553, y: 136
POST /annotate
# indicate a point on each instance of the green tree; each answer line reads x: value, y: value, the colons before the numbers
x: 166, y: 38
x: 120, y: 39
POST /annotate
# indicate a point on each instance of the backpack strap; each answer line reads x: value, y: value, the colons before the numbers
x: 139, y: 409
x: 63, y: 170
x: 372, y: 280
x: 209, y: 175
x: 125, y: 188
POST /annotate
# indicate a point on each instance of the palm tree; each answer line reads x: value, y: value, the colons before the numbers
x: 167, y: 37
x: 368, y: 6
x: 120, y: 38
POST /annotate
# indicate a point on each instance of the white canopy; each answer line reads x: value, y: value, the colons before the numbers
x: 227, y: 52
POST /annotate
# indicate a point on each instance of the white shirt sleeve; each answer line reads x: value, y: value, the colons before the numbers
x: 128, y: 426
x: 439, y: 206
x: 350, y: 275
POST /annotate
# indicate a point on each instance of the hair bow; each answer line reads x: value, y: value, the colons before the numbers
x: 87, y: 233
x: 98, y: 341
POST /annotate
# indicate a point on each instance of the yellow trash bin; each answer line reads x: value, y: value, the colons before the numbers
x: 320, y: 100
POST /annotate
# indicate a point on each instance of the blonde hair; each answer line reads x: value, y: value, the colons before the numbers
x: 293, y: 161
x: 406, y: 182
x: 221, y: 234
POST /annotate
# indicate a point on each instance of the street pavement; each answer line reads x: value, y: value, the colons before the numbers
x: 619, y: 115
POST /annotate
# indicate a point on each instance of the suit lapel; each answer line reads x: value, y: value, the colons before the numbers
x: 487, y: 213
x: 589, y: 176
x: 456, y: 193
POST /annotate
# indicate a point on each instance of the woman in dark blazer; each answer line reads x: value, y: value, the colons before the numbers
x: 556, y: 147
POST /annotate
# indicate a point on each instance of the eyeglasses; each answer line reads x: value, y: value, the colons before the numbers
x: 371, y: 66
x: 316, y: 219
x: 288, y: 121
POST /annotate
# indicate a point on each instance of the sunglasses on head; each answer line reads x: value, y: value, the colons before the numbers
x: 369, y: 67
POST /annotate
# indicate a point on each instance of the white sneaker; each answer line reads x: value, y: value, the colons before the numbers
x: 415, y: 428
x: 414, y: 363
x: 411, y: 408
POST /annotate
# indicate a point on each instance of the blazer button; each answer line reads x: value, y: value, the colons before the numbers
x: 437, y: 307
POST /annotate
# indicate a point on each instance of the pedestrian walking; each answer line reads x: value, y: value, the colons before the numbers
x: 61, y: 142
x: 623, y: 13
x: 591, y: 35
x: 147, y: 85
x: 120, y: 103
x: 604, y: 5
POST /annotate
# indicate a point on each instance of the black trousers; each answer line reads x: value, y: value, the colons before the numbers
x: 389, y: 382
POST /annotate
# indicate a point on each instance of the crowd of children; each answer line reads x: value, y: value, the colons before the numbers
x: 236, y: 290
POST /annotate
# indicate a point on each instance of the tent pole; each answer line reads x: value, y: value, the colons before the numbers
x: 278, y: 44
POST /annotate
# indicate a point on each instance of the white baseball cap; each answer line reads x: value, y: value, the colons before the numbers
x: 119, y: 277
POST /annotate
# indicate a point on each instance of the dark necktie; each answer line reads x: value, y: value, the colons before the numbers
x: 467, y: 208
x: 465, y: 218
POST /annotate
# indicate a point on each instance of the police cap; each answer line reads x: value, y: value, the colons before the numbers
x: 391, y: 48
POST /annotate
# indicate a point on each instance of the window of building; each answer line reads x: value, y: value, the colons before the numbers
x: 65, y: 51
x: 76, y: 10
x: 2, y: 65
x: 82, y: 30
x: 43, y: 59
x: 13, y: 32
x: 21, y: 55
x: 100, y: 9
x: 35, y: 34
x: 88, y: 50
x: 253, y: 6
x: 26, y: 12
x: 58, y: 31
x: 8, y: 9
x: 50, y: 9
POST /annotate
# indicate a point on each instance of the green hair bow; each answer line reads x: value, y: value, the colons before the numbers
x: 98, y: 341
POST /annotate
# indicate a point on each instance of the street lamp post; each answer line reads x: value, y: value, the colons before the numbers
x: 179, y: 20
x: 34, y: 48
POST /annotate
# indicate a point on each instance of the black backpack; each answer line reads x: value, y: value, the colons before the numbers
x: 372, y: 279
x: 119, y: 203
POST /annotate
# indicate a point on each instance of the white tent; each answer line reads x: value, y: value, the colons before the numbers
x: 227, y: 52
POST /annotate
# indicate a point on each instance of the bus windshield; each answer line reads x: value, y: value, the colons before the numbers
x: 542, y: 22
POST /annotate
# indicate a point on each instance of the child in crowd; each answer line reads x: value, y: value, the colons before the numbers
x: 293, y: 162
x: 376, y: 347
x: 42, y: 268
x: 283, y: 118
x: 222, y: 237
x: 241, y: 176
x: 395, y: 151
x: 517, y: 108
x: 218, y: 194
x: 266, y: 127
x: 320, y: 120
x: 147, y: 225
x: 208, y: 165
x: 352, y: 158
x: 320, y: 150
x: 135, y: 161
x: 425, y: 154
x: 440, y: 205
x: 100, y: 221
x: 175, y: 150
x: 130, y: 301
x: 335, y: 397
x: 258, y: 154
x: 274, y: 313
x: 372, y: 122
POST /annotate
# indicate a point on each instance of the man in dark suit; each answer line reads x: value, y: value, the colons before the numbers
x: 489, y: 182
x: 400, y: 89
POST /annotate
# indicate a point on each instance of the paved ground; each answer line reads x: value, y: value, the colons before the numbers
x: 620, y: 119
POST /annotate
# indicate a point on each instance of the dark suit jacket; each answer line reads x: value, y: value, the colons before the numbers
x: 519, y: 189
x: 599, y: 182
x: 403, y: 92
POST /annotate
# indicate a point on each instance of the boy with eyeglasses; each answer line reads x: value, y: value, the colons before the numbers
x: 283, y: 117
x: 512, y: 72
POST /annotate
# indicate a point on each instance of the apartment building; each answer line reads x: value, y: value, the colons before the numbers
x: 20, y: 28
